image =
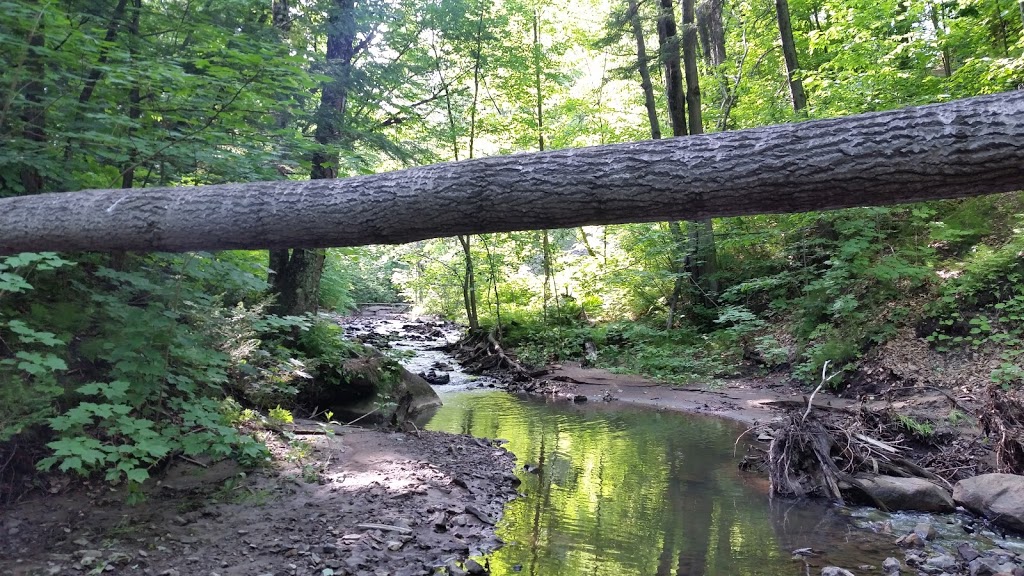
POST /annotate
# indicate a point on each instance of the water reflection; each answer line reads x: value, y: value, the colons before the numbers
x: 631, y: 491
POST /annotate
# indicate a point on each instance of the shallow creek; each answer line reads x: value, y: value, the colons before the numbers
x: 609, y: 488
x: 621, y: 490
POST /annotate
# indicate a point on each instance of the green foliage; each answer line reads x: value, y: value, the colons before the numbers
x: 679, y: 355
x: 30, y: 359
x: 982, y: 306
x: 923, y: 430
x: 356, y: 275
x: 280, y: 416
x: 537, y: 343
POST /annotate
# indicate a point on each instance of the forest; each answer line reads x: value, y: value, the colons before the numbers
x: 110, y: 362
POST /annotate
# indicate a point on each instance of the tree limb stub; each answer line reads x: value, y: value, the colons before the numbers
x: 963, y: 148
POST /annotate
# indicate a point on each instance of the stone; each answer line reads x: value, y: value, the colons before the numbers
x: 966, y: 551
x: 835, y: 571
x: 474, y: 567
x: 925, y: 530
x: 990, y: 566
x: 435, y: 379
x: 912, y: 540
x: 998, y: 497
x: 941, y: 562
x: 891, y: 566
x: 454, y: 570
x: 906, y: 493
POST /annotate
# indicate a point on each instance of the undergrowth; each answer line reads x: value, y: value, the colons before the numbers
x: 827, y: 290
x: 111, y: 365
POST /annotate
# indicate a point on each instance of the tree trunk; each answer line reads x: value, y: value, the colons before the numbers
x: 494, y: 285
x: 796, y: 86
x: 97, y: 71
x: 947, y: 64
x: 298, y: 284
x: 962, y: 148
x: 673, y: 71
x: 33, y: 114
x: 134, y: 97
x: 469, y: 284
x: 537, y: 83
x: 678, y: 268
x: 712, y: 31
x: 645, y: 70
x: 701, y: 255
x: 695, y: 121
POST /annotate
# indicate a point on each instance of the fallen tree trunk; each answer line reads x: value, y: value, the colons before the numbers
x: 963, y: 148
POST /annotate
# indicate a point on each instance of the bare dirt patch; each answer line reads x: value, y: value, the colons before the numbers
x: 360, y: 502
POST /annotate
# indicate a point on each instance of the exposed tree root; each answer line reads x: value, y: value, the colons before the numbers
x: 481, y: 351
x: 814, y: 457
x: 820, y: 453
x: 1003, y: 421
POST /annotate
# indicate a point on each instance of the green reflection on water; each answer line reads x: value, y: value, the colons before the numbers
x: 623, y: 491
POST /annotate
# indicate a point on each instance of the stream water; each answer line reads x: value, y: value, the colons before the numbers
x: 622, y: 490
x: 617, y: 489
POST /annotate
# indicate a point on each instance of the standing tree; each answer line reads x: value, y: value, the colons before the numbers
x: 701, y: 253
x: 297, y: 272
x: 796, y: 85
x: 645, y: 71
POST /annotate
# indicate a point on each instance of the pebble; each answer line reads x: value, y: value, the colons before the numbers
x: 835, y: 571
x: 925, y: 531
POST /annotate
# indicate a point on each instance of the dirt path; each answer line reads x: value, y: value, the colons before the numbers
x: 362, y: 502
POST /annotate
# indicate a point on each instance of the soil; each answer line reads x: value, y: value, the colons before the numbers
x: 359, y: 502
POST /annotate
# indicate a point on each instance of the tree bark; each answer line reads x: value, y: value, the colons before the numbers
x: 712, y: 31
x: 962, y: 148
x: 693, y: 110
x: 33, y: 114
x: 796, y: 86
x: 297, y: 283
x: 645, y: 70
x: 701, y: 254
x: 669, y: 40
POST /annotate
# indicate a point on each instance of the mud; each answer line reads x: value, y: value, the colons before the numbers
x: 359, y: 502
